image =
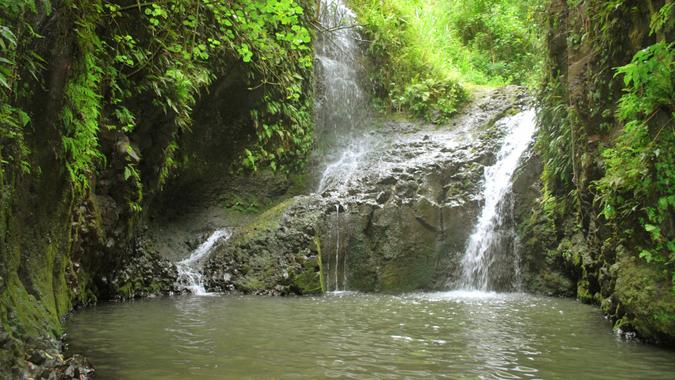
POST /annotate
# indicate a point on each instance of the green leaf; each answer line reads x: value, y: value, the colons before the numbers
x: 646, y: 255
x: 4, y: 83
x: 651, y: 228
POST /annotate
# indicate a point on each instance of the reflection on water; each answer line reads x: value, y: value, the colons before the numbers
x: 453, y: 335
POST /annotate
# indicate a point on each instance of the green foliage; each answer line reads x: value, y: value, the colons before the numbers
x: 268, y: 36
x: 16, y: 59
x: 498, y: 38
x: 429, y: 99
x: 425, y: 52
x: 648, y: 82
x: 639, y: 179
x: 133, y: 176
x: 81, y: 113
x: 247, y: 204
x: 279, y: 47
x: 608, y: 156
x: 554, y: 138
x: 131, y: 60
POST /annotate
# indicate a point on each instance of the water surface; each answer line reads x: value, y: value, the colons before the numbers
x: 455, y: 335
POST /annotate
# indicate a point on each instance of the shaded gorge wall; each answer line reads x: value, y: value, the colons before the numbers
x: 600, y: 141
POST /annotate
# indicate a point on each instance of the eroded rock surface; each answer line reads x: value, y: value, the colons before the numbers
x: 394, y: 217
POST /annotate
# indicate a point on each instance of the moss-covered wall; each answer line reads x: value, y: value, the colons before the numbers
x: 582, y: 246
x: 37, y: 283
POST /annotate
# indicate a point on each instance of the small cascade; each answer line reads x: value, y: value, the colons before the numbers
x: 341, y: 103
x: 189, y: 269
x: 335, y: 282
x: 485, y: 242
x: 337, y: 175
x: 344, y: 262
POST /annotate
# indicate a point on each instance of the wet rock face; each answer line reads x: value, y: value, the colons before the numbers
x: 46, y: 361
x: 540, y: 273
x: 397, y: 220
x: 275, y: 255
x: 146, y: 273
x: 412, y: 202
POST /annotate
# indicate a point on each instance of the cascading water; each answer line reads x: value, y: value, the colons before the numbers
x: 341, y: 103
x: 336, y: 175
x: 341, y: 109
x: 484, y: 243
x: 189, y: 274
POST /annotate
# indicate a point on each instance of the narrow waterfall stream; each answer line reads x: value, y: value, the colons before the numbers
x: 341, y: 115
x: 484, y: 242
x: 337, y: 246
x: 189, y: 269
x: 341, y: 105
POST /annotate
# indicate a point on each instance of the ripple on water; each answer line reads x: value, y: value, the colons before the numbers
x: 351, y: 335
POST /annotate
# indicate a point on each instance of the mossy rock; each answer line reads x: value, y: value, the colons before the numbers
x: 276, y: 253
x: 646, y: 300
x: 266, y: 221
x: 309, y: 280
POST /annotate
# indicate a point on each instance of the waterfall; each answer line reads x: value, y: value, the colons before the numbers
x: 341, y: 114
x: 336, y: 274
x: 336, y: 175
x: 344, y: 265
x: 341, y: 103
x: 189, y: 270
x: 484, y: 245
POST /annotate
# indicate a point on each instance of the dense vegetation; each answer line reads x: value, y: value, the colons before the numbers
x: 639, y: 180
x: 606, y: 139
x: 427, y: 55
x: 169, y: 51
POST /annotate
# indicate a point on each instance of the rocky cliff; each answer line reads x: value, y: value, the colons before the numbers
x: 396, y: 220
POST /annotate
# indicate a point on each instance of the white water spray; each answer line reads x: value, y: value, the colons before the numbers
x: 337, y: 175
x: 189, y: 270
x: 481, y: 251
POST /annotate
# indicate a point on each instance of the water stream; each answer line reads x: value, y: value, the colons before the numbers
x: 341, y: 105
x: 484, y: 243
x: 189, y: 269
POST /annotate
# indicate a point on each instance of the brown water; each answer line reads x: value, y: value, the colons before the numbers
x: 454, y: 335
